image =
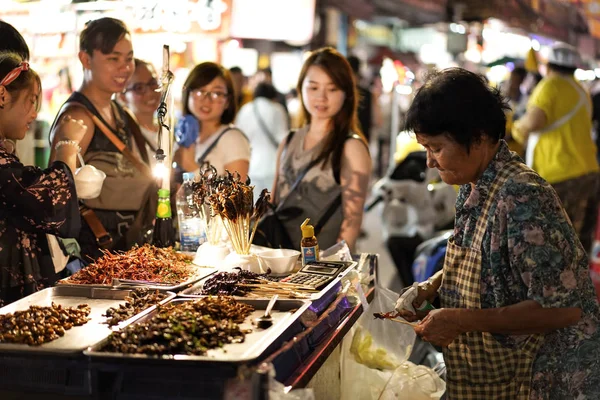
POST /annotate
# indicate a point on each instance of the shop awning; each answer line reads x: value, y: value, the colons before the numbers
x: 590, y: 10
x: 551, y: 18
x: 354, y: 8
x: 417, y: 12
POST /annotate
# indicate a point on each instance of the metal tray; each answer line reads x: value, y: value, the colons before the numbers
x: 285, y: 313
x: 327, y: 292
x: 201, y: 273
x: 78, y: 338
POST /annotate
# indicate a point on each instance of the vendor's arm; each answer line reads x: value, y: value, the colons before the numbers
x: 441, y: 327
x: 541, y: 260
x: 354, y: 180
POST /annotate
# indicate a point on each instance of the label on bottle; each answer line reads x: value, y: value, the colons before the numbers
x: 191, y: 234
x: 310, y: 254
x: 164, y: 209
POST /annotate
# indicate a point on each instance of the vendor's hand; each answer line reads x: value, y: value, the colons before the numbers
x: 440, y: 327
x: 187, y: 131
x: 72, y: 129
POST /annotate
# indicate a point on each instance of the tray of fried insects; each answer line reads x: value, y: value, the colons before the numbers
x: 206, y: 329
x: 68, y: 319
x: 145, y: 266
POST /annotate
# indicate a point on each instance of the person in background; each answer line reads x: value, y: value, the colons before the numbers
x: 518, y: 104
x: 365, y: 102
x: 332, y: 143
x: 294, y: 108
x: 557, y: 130
x: 61, y: 92
x: 12, y: 41
x: 143, y: 99
x: 125, y: 209
x: 205, y: 133
x: 33, y: 202
x: 265, y: 123
x: 266, y: 75
x: 519, y: 316
x: 242, y: 94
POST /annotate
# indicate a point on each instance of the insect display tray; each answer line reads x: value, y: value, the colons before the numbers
x: 78, y: 338
x: 285, y: 313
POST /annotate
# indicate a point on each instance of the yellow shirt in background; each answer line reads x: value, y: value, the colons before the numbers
x: 567, y: 152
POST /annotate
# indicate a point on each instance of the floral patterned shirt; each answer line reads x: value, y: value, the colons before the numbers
x: 530, y: 251
x: 33, y: 202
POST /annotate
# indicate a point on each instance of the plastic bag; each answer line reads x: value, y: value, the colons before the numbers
x: 395, y: 339
x: 380, y: 347
x: 413, y: 382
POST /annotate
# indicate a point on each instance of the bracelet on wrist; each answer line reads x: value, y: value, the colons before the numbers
x: 68, y: 142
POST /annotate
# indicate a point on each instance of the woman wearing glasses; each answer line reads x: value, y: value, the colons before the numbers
x: 142, y: 98
x: 205, y: 133
x: 127, y: 203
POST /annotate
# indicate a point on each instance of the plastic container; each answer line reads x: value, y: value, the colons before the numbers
x: 192, y: 232
x: 88, y: 182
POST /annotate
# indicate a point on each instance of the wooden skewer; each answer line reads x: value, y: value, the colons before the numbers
x: 413, y: 324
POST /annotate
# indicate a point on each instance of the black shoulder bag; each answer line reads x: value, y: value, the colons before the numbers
x: 271, y: 232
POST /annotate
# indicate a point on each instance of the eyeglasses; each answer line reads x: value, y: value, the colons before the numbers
x: 141, y: 88
x: 213, y: 96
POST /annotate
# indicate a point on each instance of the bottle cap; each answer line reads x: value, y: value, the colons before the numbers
x: 188, y: 176
x: 163, y: 192
x: 308, y: 231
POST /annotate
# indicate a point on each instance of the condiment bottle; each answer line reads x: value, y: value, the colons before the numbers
x: 309, y: 245
x: 164, y: 234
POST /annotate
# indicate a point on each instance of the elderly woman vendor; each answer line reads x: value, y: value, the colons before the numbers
x: 519, y: 316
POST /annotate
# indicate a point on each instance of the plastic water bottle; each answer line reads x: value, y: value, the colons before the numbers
x: 191, y: 229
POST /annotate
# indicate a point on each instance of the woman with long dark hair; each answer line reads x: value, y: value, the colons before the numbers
x: 332, y: 192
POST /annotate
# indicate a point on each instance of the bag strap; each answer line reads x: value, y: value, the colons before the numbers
x: 139, y: 164
x: 301, y: 174
x: 212, y: 145
x: 140, y: 140
x: 328, y: 213
x: 103, y: 238
x: 263, y: 126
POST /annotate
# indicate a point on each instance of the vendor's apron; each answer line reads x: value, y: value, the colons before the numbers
x: 479, y: 367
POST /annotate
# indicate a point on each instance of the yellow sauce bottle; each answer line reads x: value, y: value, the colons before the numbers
x: 309, y: 245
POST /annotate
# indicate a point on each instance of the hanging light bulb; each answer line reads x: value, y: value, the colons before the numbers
x: 160, y: 169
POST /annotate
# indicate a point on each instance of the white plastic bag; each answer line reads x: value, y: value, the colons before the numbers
x: 373, y: 349
x: 413, y: 382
